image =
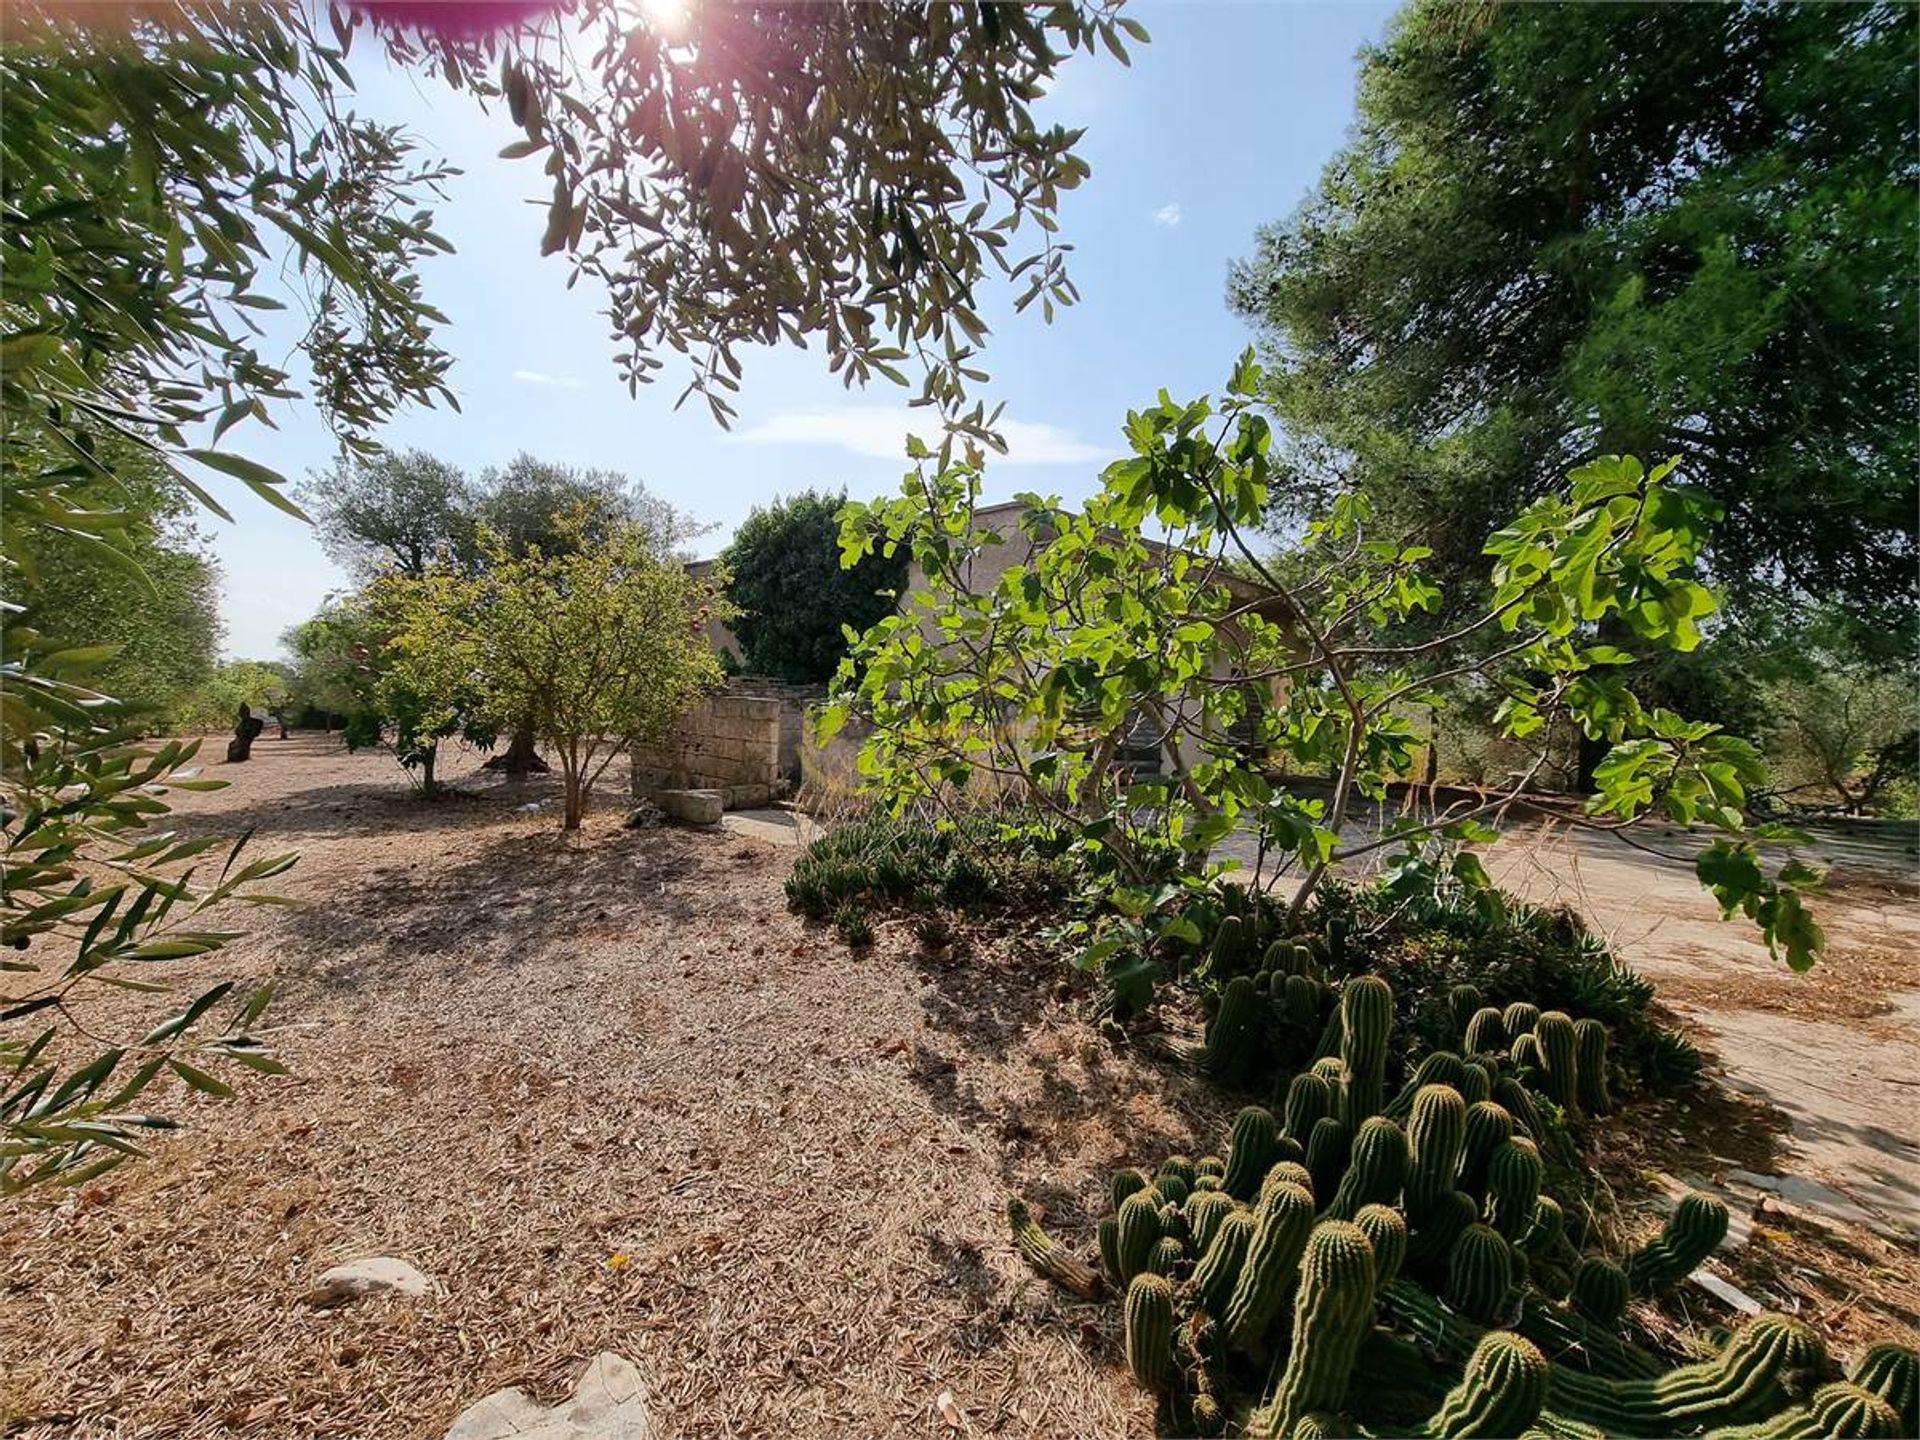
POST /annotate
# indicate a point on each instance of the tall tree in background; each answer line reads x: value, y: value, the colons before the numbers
x: 1562, y: 231
x: 784, y: 575
x: 397, y: 512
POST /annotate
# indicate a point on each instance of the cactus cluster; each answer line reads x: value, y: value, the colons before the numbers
x: 1353, y: 1260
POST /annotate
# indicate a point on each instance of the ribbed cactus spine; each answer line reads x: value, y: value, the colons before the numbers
x: 1139, y: 1228
x: 1489, y: 1126
x: 1519, y: 1018
x: 1442, y: 1067
x: 1309, y: 1101
x: 1219, y: 1268
x: 1251, y: 1152
x: 1763, y: 1367
x: 1327, y: 1156
x: 1281, y: 1225
x: 1149, y: 1318
x: 1436, y: 1135
x: 1205, y: 1209
x: 1232, y: 1047
x: 1480, y: 1275
x: 1694, y: 1230
x: 1332, y: 1313
x: 1366, y: 1011
x: 1893, y: 1373
x: 1048, y: 1259
x: 1386, y: 1231
x: 1600, y: 1290
x: 1559, y: 1074
x: 1166, y: 1255
x: 1501, y: 1394
x: 1514, y: 1175
x: 1590, y: 1066
x: 1486, y: 1033
x: 1376, y: 1171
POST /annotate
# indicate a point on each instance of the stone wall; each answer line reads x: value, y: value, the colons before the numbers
x: 729, y: 742
x: 795, y: 700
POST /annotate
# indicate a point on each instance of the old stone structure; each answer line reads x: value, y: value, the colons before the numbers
x: 729, y: 743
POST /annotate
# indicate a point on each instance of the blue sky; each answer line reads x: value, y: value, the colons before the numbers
x: 1221, y: 124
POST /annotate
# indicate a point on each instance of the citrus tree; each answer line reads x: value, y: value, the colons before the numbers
x: 1159, y: 607
x: 599, y: 642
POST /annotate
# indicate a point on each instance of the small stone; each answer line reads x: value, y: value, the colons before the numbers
x: 645, y: 816
x: 375, y: 1275
x: 609, y: 1403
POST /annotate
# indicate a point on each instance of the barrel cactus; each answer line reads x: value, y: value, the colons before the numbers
x: 1840, y: 1411
x: 1205, y: 1209
x: 1300, y: 998
x: 1519, y: 1018
x: 1208, y: 1165
x: 1327, y: 1155
x: 1526, y: 1056
x: 1486, y: 1033
x: 1558, y: 1075
x: 1386, y: 1231
x: 1108, y: 1234
x: 1124, y: 1183
x: 1501, y: 1394
x: 1251, y: 1153
x: 1514, y: 1175
x: 1893, y: 1373
x: 1219, y: 1268
x: 1310, y: 1100
x: 1600, y: 1290
x: 1694, y: 1230
x: 1480, y: 1274
x: 1178, y: 1167
x: 1436, y: 1232
x: 1232, y: 1050
x: 1489, y: 1126
x: 1476, y: 1081
x: 1288, y: 1172
x: 1376, y: 1170
x: 1590, y: 1066
x: 1149, y: 1321
x: 1173, y: 1189
x: 1544, y: 1231
x: 1332, y: 1313
x: 1139, y: 1229
x: 1762, y: 1370
x: 1050, y: 1260
x: 1281, y: 1226
x: 1166, y: 1255
x: 1464, y: 1001
x: 1436, y: 1138
x: 1442, y: 1067
x: 1366, y: 1019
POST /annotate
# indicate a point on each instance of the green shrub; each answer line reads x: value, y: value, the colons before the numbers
x: 853, y: 924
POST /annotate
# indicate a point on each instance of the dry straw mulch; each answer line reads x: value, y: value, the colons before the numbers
x: 609, y: 1094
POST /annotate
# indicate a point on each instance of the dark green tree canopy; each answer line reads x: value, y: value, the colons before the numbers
x: 1560, y: 231
x: 784, y: 574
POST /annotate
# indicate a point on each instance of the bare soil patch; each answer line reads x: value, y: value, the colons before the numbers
x: 609, y: 1094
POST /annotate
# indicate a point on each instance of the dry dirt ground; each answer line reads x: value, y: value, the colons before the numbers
x: 610, y: 1095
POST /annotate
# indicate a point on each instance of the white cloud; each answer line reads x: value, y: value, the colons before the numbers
x: 882, y: 431
x: 538, y: 377
x: 1168, y: 215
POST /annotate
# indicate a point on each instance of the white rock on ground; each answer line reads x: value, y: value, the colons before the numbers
x: 375, y: 1275
x: 609, y: 1403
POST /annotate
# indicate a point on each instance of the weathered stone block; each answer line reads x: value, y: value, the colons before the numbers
x: 692, y: 807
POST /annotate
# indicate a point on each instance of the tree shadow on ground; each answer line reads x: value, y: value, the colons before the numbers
x: 504, y: 899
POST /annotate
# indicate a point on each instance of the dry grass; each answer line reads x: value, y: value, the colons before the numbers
x: 610, y: 1095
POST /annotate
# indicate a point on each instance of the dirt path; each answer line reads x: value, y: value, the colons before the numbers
x: 610, y: 1095
x: 1836, y: 1050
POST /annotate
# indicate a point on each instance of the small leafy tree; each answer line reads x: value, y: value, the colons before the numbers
x: 1247, y: 666
x: 600, y: 642
x: 796, y: 601
x: 1848, y: 734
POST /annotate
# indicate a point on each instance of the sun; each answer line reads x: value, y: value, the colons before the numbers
x: 670, y: 17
